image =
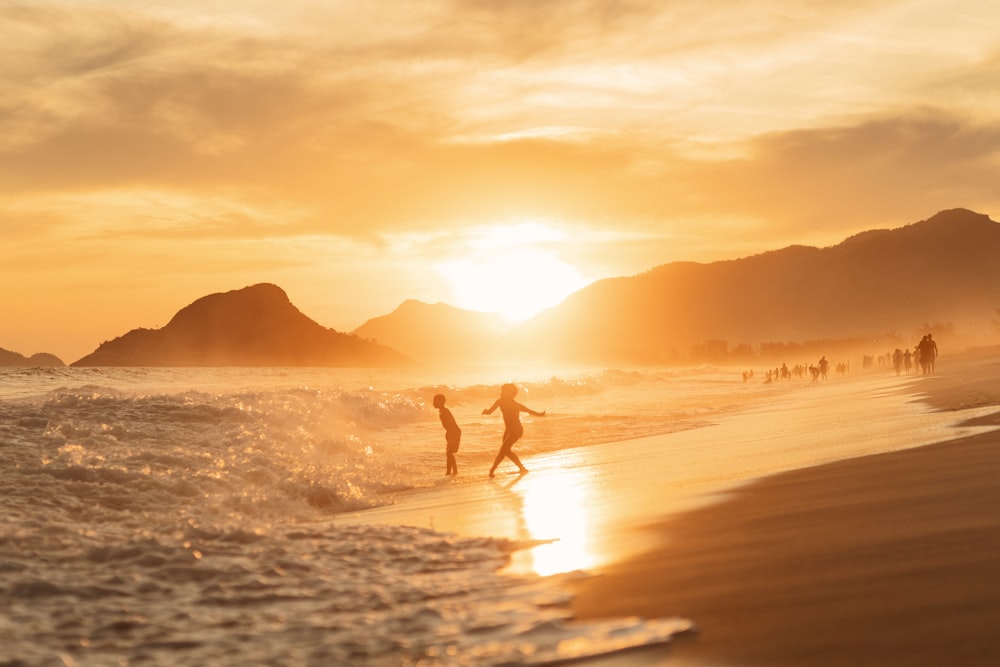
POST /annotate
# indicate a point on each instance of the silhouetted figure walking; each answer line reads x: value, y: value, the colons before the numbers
x: 928, y: 353
x: 513, y: 430
x: 452, y: 434
x: 932, y: 350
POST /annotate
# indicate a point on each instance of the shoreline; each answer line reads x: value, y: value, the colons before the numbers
x: 596, y: 503
x: 887, y: 558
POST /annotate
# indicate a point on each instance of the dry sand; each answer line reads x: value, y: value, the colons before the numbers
x: 885, y: 559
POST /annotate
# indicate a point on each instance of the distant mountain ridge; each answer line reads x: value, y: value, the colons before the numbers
x: 40, y: 360
x: 436, y: 333
x: 253, y: 326
x: 944, y: 269
x: 941, y: 270
x: 878, y: 283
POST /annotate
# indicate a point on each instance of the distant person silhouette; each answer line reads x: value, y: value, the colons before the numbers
x: 932, y: 350
x: 928, y: 353
x: 452, y: 434
x: 513, y: 430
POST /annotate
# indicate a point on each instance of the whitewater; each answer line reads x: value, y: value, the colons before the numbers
x: 191, y: 516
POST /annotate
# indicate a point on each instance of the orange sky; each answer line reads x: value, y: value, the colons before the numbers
x: 358, y: 154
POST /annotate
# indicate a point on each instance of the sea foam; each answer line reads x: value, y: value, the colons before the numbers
x: 190, y: 517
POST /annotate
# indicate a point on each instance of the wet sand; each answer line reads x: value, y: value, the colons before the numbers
x: 884, y: 559
x: 840, y: 523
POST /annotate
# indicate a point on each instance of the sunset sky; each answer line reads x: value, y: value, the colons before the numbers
x: 361, y: 153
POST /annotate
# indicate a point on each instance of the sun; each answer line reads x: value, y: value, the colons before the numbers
x: 512, y: 270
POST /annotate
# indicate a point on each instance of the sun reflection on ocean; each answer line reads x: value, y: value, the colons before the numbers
x: 554, y: 507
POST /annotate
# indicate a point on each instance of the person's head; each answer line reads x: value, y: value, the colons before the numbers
x: 508, y: 390
x: 439, y: 401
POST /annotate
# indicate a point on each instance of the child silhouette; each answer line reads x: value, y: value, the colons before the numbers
x: 452, y: 434
x: 513, y: 430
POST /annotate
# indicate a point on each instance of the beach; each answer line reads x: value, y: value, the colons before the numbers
x: 671, y: 516
x: 887, y: 559
x: 845, y: 522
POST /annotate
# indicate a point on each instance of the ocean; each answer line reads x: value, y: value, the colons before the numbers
x: 190, y: 516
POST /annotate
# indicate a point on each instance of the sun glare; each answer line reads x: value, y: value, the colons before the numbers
x: 511, y: 271
x: 556, y: 510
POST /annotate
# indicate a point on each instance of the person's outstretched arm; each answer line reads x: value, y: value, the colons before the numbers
x: 492, y: 408
x: 525, y: 408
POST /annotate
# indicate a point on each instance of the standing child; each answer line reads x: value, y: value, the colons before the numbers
x: 513, y: 430
x: 452, y: 434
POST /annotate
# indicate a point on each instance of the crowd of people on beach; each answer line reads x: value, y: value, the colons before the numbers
x: 818, y: 371
x: 922, y: 356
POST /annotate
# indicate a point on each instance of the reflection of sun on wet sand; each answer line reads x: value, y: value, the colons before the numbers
x: 781, y: 569
x: 889, y: 559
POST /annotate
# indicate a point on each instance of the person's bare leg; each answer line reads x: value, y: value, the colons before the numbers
x: 508, y: 441
x: 497, y: 460
x: 513, y: 457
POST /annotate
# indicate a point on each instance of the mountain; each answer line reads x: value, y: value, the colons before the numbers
x: 436, y: 333
x: 40, y: 360
x: 253, y: 326
x: 941, y: 270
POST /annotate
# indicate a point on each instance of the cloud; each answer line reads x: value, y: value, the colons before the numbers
x: 883, y: 171
x: 155, y: 153
x: 361, y: 122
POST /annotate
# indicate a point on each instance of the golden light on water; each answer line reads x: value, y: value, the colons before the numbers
x: 555, y: 508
